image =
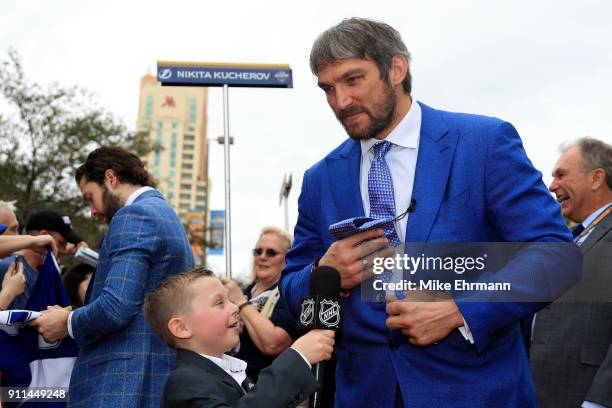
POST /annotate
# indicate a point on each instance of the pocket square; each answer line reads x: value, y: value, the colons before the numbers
x: 351, y: 226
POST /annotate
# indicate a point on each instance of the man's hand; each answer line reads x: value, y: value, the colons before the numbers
x: 40, y: 243
x: 53, y: 324
x: 353, y: 257
x: 425, y: 323
x: 72, y: 249
x: 233, y: 291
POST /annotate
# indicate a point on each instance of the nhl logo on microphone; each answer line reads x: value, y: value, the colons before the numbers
x: 307, y: 313
x: 329, y: 313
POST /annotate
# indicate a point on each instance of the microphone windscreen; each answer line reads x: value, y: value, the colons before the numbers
x: 325, y: 281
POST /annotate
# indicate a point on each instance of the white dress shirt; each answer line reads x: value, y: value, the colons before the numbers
x: 401, y: 159
x: 236, y: 367
x: 129, y: 201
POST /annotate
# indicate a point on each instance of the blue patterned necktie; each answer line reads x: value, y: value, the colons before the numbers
x: 380, y: 190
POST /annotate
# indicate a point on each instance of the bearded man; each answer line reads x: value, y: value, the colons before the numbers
x: 121, y: 362
x: 465, y: 178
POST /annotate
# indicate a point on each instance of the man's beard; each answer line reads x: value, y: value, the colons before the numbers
x: 379, y: 120
x: 110, y: 204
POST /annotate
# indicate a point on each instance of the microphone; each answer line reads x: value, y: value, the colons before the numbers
x: 322, y: 310
x: 412, y: 206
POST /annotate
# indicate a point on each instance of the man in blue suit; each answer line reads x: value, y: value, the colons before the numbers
x: 468, y: 179
x: 121, y: 362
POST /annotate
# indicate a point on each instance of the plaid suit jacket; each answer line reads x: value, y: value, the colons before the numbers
x: 121, y: 362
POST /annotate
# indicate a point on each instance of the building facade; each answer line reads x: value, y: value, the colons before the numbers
x: 175, y: 120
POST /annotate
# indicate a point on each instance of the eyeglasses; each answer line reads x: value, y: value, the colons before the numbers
x: 270, y: 253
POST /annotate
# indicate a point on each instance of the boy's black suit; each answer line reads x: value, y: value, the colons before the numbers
x: 198, y: 382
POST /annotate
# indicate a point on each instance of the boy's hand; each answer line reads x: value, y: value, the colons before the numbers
x: 316, y: 345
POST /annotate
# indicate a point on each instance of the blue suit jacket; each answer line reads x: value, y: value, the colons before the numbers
x: 121, y: 362
x: 473, y: 183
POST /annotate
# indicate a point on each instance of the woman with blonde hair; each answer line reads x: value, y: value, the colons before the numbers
x: 269, y: 328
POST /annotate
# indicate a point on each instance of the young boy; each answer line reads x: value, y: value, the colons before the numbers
x: 192, y: 313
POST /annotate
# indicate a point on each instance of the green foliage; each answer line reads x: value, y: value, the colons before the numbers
x: 45, y: 133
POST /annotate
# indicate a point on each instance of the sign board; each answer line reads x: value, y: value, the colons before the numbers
x: 217, y: 225
x: 171, y: 73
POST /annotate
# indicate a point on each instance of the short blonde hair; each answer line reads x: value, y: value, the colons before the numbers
x: 282, y: 234
x: 171, y: 297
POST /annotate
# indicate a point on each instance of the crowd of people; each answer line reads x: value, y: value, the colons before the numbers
x: 151, y: 328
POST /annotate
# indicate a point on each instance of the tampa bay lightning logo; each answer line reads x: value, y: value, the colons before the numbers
x: 165, y: 74
x: 329, y: 313
x: 281, y: 76
x: 307, y: 313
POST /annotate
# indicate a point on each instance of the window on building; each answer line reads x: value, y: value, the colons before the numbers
x: 188, y: 157
x: 185, y: 196
x: 149, y: 107
x: 185, y: 186
x: 187, y: 146
x: 200, y: 189
x: 187, y: 166
x: 189, y: 138
x: 186, y: 176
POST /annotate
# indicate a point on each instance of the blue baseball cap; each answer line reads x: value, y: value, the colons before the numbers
x: 3, y: 228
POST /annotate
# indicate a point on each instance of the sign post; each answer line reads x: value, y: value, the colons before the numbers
x: 284, y: 195
x: 173, y: 73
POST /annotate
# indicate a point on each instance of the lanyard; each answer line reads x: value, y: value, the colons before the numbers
x: 592, y: 225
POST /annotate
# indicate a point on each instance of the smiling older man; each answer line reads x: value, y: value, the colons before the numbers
x: 571, y: 349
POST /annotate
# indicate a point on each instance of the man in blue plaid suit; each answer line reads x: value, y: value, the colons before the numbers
x: 121, y: 362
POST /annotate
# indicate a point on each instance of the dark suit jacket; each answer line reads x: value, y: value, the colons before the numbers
x: 198, y: 382
x: 571, y: 351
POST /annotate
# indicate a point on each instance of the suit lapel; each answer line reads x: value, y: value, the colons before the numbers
x: 187, y: 357
x: 343, y: 177
x: 436, y: 150
x: 598, y: 232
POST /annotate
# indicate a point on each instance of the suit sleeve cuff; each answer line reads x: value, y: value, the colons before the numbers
x: 303, y: 357
x: 467, y: 333
x: 70, y: 326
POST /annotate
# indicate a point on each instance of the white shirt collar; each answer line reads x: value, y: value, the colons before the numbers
x: 594, y: 215
x: 405, y: 134
x: 136, y: 194
x: 235, y: 367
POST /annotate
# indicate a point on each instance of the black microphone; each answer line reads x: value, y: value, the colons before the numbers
x: 412, y: 206
x: 322, y: 310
